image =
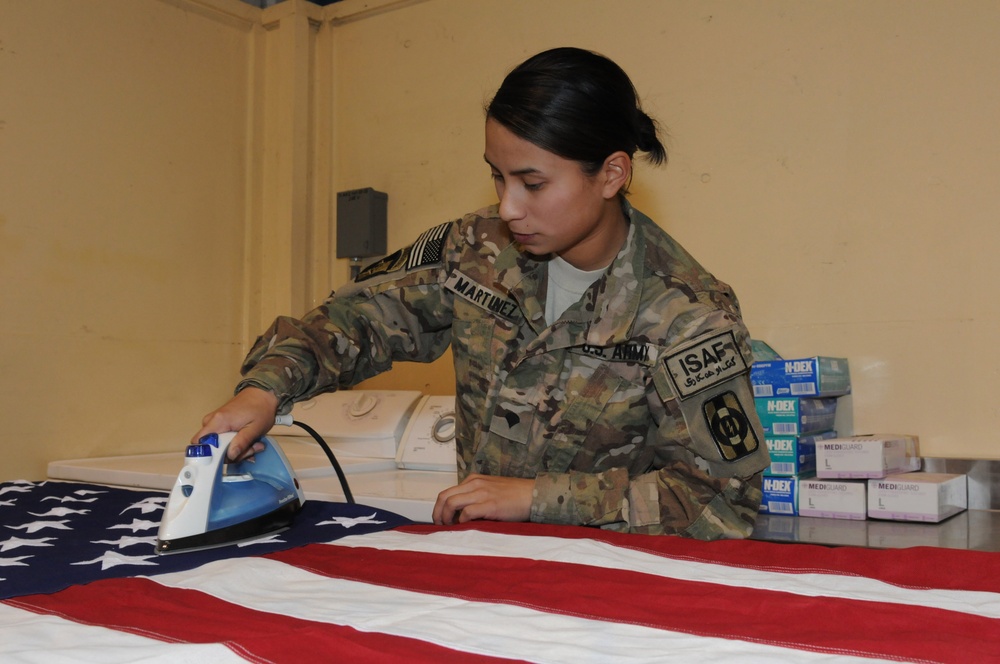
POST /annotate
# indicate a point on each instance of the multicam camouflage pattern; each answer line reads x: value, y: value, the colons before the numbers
x: 632, y: 412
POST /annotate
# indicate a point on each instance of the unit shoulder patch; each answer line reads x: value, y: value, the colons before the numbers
x: 731, y: 429
x: 387, y: 265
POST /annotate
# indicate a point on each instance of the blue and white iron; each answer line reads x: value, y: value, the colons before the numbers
x: 214, y: 503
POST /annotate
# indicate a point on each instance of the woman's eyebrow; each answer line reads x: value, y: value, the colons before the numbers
x: 521, y: 171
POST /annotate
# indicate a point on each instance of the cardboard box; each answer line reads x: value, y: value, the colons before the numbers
x: 805, y: 377
x: 869, y: 456
x: 929, y: 497
x: 781, y: 495
x: 762, y: 352
x: 793, y: 455
x: 791, y: 416
x: 834, y: 499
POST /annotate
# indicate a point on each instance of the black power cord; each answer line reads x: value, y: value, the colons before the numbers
x: 333, y: 460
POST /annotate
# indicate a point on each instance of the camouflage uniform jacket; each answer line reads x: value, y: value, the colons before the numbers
x: 632, y: 412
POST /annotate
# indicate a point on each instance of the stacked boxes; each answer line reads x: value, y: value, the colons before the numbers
x: 833, y: 499
x: 796, y: 401
x: 794, y: 455
x: 864, y: 457
x: 843, y: 466
x: 795, y: 416
x: 808, y: 377
x: 929, y: 497
x: 876, y: 477
x: 815, y: 473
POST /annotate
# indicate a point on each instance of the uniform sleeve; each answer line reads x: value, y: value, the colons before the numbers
x: 395, y: 310
x: 709, y: 491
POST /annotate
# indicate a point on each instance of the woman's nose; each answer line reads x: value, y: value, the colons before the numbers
x: 511, y: 209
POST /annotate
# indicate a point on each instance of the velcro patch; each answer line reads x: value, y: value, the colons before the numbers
x: 390, y: 263
x: 429, y: 247
x: 731, y: 430
x: 481, y: 296
x: 629, y: 351
x: 705, y: 364
x: 427, y: 250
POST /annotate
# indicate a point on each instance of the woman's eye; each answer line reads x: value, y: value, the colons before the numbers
x: 532, y: 186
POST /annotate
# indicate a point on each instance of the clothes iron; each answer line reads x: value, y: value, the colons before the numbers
x: 214, y: 503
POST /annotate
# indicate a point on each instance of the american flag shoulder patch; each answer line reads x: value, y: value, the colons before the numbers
x: 429, y: 247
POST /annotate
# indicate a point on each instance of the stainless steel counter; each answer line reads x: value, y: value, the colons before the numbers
x: 978, y: 528
x: 973, y: 529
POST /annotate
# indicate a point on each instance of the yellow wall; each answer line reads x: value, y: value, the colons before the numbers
x: 167, y: 169
x: 835, y: 161
x: 123, y: 168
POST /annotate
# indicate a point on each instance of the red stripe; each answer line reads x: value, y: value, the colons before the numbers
x: 829, y: 625
x: 174, y: 615
x: 916, y: 567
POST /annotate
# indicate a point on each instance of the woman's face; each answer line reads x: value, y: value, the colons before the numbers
x: 551, y: 206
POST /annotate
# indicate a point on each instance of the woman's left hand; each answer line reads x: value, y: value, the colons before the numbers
x: 485, y: 497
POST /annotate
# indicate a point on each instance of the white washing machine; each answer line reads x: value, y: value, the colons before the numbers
x: 396, y: 448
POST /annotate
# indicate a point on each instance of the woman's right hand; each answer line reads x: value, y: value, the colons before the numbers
x: 250, y: 414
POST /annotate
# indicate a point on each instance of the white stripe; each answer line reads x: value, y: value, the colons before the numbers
x: 29, y: 637
x: 602, y: 554
x: 501, y: 630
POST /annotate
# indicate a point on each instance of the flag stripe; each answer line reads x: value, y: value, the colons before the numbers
x: 508, y: 629
x: 868, y: 628
x: 558, y: 549
x: 178, y: 615
x: 915, y: 567
x: 27, y: 632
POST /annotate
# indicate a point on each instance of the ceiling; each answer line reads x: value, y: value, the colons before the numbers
x: 263, y: 4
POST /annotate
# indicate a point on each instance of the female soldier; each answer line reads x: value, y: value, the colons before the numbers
x: 602, y: 373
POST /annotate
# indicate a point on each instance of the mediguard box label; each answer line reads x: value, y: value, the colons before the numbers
x: 863, y: 457
x: 834, y: 499
x: 929, y: 497
x: 791, y: 416
x: 805, y: 377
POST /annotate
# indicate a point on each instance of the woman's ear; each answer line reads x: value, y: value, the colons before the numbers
x: 617, y: 172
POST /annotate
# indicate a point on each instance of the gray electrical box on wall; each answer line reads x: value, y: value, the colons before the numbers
x: 361, y: 223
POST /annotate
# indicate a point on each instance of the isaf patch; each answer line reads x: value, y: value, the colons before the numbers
x: 705, y: 364
x: 731, y: 429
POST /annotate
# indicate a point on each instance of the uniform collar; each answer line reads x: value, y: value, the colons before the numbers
x: 608, y: 311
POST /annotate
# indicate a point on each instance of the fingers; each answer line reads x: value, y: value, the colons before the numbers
x: 448, y: 503
x: 250, y: 414
x: 484, y: 497
x: 451, y: 502
x: 243, y: 445
x: 235, y: 454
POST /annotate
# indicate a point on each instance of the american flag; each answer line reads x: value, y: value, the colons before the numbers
x: 394, y: 591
